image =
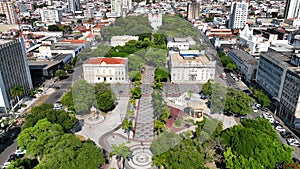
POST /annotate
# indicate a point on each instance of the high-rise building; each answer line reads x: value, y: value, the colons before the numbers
x: 7, y: 8
x: 193, y: 11
x: 116, y: 7
x: 51, y: 15
x: 73, y: 5
x: 238, y: 16
x: 14, y: 70
x: 292, y: 9
x: 278, y: 74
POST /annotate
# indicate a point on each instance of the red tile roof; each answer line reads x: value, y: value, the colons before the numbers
x: 90, y: 36
x: 74, y: 41
x: 110, y: 61
x: 97, y: 27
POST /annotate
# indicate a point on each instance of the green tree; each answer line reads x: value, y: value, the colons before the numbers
x: 67, y: 100
x: 17, y: 91
x: 206, y: 88
x: 262, y: 98
x: 161, y: 75
x: 105, y: 101
x: 127, y: 125
x: 225, y: 60
x: 74, y: 60
x: 159, y: 127
x: 23, y: 163
x: 170, y: 27
x: 231, y: 66
x: 54, y: 149
x: 79, y: 21
x: 4, y: 124
x: 53, y: 28
x: 238, y: 102
x: 60, y: 74
x: 131, y: 25
x: 83, y: 95
x: 60, y: 117
x: 34, y: 139
x: 221, y: 54
x: 254, y: 144
x: 122, y: 151
x: 136, y: 92
x: 31, y: 93
x: 68, y: 67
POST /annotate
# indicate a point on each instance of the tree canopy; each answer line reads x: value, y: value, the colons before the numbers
x: 83, y: 96
x: 172, y: 151
x: 60, y: 117
x: 55, y: 149
x: 105, y: 97
x: 60, y: 73
x: 131, y: 25
x: 261, y: 97
x: 170, y: 27
x: 228, y: 99
x: 254, y: 144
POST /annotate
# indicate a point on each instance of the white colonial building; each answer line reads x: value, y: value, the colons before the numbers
x: 122, y: 40
x: 190, y: 66
x: 110, y: 70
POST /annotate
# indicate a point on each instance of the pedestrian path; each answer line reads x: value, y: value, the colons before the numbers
x: 145, y: 117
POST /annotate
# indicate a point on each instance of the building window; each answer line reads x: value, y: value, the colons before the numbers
x: 98, y: 78
x: 110, y: 78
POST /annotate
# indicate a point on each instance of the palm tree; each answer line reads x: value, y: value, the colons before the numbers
x: 121, y: 151
x: 17, y: 91
x: 160, y: 161
x: 159, y: 126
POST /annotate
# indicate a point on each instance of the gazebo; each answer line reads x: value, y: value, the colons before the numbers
x: 196, y: 108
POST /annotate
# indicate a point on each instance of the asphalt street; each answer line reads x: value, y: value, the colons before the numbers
x: 65, y: 84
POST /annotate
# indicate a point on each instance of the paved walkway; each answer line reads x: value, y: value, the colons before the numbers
x: 112, y: 121
x: 145, y: 119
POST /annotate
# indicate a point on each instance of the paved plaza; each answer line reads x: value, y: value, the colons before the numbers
x: 145, y: 117
x: 176, y: 90
x: 144, y: 120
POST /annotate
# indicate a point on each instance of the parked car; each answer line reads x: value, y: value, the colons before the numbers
x: 227, y: 113
x: 280, y: 128
x: 5, y: 165
x: 11, y: 158
x: 293, y: 142
x: 57, y: 106
x: 243, y: 117
x: 264, y: 109
x: 255, y: 110
x: 286, y: 134
x: 20, y: 152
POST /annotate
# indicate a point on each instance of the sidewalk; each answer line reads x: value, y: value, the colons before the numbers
x: 112, y: 120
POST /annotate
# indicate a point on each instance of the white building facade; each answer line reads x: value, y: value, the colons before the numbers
x: 14, y: 70
x: 292, y: 9
x: 116, y: 7
x: 155, y: 20
x: 122, y: 40
x: 51, y: 15
x: 238, y: 16
x: 190, y: 66
x: 245, y: 64
x: 110, y: 70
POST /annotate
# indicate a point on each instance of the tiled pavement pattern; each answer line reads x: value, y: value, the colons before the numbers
x: 121, y: 90
x: 144, y: 120
x: 176, y: 90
